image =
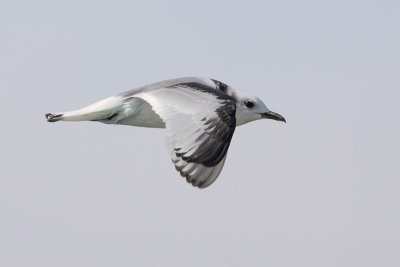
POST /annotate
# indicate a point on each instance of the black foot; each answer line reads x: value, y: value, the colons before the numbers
x: 53, y: 117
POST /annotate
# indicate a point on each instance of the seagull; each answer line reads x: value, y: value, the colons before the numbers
x: 199, y: 114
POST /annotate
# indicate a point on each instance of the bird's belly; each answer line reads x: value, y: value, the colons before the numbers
x: 143, y: 116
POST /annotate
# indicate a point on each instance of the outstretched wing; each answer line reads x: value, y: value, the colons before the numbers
x: 200, y: 122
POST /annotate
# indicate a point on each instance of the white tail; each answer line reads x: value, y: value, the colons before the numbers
x: 98, y: 111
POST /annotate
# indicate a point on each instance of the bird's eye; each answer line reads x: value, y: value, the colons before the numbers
x: 248, y: 104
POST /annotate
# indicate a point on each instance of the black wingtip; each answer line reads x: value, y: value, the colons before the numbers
x: 53, y: 117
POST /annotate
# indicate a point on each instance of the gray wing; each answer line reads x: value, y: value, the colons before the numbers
x: 200, y: 122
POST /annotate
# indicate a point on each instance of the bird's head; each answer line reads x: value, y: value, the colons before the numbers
x: 250, y: 108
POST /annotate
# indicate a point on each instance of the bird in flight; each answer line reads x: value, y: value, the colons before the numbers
x: 199, y: 114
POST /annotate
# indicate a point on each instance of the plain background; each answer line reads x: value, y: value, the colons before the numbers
x: 321, y: 190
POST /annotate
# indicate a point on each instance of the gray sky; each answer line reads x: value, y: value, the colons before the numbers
x: 321, y: 190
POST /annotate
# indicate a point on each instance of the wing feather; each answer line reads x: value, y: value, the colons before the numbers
x: 200, y: 122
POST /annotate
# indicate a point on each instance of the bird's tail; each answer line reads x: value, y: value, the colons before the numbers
x: 98, y: 111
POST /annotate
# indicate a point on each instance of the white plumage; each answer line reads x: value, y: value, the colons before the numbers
x: 200, y: 116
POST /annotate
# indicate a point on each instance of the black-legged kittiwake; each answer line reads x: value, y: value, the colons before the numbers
x: 199, y: 115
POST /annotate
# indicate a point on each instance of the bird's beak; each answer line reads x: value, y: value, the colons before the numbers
x: 273, y: 116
